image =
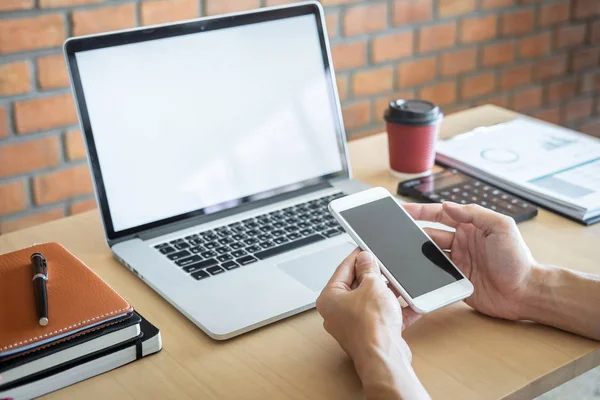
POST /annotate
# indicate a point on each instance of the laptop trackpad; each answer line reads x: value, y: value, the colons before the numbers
x: 314, y: 270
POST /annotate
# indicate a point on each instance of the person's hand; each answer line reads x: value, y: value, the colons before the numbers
x: 360, y: 311
x: 488, y: 249
x: 366, y: 319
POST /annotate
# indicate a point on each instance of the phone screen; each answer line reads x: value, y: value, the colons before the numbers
x: 401, y: 246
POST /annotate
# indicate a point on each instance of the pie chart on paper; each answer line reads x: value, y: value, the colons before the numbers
x: 501, y: 156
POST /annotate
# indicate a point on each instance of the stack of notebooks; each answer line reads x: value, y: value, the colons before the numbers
x: 91, y: 328
x: 552, y: 166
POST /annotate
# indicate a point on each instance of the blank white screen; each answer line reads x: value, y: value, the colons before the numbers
x: 192, y: 121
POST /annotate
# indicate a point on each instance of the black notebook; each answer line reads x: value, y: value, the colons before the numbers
x: 147, y: 342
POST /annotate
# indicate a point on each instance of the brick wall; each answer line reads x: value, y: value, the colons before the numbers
x: 540, y: 57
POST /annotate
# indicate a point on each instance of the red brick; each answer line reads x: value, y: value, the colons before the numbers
x: 342, y: 86
x: 478, y: 29
x: 437, y: 37
x: 455, y: 108
x: 34, y: 33
x: 3, y: 122
x: 332, y: 2
x: 14, y: 78
x: 415, y: 72
x: 534, y: 46
x: 458, y: 62
x: 585, y: 58
x: 449, y: 8
x: 78, y: 207
x: 569, y: 36
x: 366, y: 132
x: 381, y: 103
x: 379, y: 80
x: 103, y: 19
x: 478, y: 85
x: 500, y: 100
x: 65, y: 3
x: 591, y: 128
x: 214, y: 7
x: 590, y: 82
x: 20, y: 158
x: 62, y: 185
x: 487, y: 4
x: 365, y: 18
x: 356, y: 114
x: 281, y: 2
x: 561, y: 91
x: 498, y: 54
x: 407, y: 12
x: 349, y: 55
x: 578, y: 110
x: 550, y: 67
x: 12, y: 198
x: 52, y: 72
x: 517, y: 22
x: 555, y: 13
x: 13, y: 5
x: 519, y: 75
x: 595, y: 32
x: 45, y: 113
x: 586, y: 8
x: 12, y: 225
x: 440, y: 93
x: 527, y: 99
x: 392, y: 47
x: 552, y: 115
x: 332, y: 21
x: 160, y: 12
x: 74, y: 145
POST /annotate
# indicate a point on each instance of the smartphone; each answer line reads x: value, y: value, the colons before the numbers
x: 412, y: 263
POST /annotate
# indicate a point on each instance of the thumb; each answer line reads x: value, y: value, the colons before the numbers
x: 487, y: 220
x: 365, y: 265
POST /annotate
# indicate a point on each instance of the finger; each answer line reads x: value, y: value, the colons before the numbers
x: 344, y: 274
x: 393, y: 289
x: 365, y: 266
x: 409, y: 317
x: 483, y: 218
x: 429, y: 212
x: 442, y: 238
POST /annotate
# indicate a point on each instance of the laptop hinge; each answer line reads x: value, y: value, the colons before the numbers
x: 202, y: 219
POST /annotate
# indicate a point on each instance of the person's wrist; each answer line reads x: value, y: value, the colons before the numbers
x: 536, y: 291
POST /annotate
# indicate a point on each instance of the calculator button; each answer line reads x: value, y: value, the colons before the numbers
x: 467, y: 187
x: 483, y: 203
x: 514, y: 201
x: 445, y: 193
x: 463, y: 202
x: 504, y: 197
x: 496, y: 192
x: 486, y: 188
x: 465, y: 194
x: 474, y: 199
x: 433, y: 196
x: 456, y: 190
x: 476, y: 183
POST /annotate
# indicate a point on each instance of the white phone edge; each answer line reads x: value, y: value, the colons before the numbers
x: 425, y: 303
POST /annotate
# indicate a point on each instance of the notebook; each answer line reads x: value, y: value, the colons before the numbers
x: 78, y: 300
x: 148, y: 342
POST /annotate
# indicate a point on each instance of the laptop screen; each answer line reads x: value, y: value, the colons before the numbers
x: 208, y: 120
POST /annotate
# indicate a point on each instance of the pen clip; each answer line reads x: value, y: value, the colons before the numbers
x: 44, y: 265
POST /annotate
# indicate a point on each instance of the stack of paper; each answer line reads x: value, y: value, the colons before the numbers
x: 552, y: 166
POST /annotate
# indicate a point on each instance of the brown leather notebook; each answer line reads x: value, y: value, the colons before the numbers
x: 78, y: 300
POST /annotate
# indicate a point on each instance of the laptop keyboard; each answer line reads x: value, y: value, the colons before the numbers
x: 215, y: 251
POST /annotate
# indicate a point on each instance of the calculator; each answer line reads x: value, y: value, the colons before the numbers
x: 452, y: 185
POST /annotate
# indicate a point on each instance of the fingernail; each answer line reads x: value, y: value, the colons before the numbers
x: 450, y: 204
x: 364, y: 258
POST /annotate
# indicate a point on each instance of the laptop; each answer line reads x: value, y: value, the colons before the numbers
x: 215, y: 146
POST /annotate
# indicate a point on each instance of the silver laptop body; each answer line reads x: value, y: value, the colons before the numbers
x: 215, y: 146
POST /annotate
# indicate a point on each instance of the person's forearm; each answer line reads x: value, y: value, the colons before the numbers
x: 564, y: 299
x: 388, y: 375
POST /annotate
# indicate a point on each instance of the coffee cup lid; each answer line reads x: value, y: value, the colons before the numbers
x: 412, y: 112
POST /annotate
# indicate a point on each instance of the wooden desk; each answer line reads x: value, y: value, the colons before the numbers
x: 458, y: 353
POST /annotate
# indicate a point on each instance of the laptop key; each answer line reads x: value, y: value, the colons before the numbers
x: 198, y: 275
x: 278, y: 232
x: 182, y: 245
x: 195, y: 242
x: 294, y: 236
x: 280, y: 240
x: 197, y: 249
x: 264, y: 237
x: 246, y: 260
x: 222, y: 250
x: 190, y: 237
x: 179, y: 255
x: 266, y: 245
x: 239, y: 236
x: 225, y: 240
x: 332, y: 233
x: 215, y: 270
x: 321, y: 227
x: 211, y: 245
x: 252, y: 225
x: 200, y: 265
x: 303, y: 225
x: 229, y: 265
x: 166, y: 250
x: 307, y: 232
x: 251, y: 241
x: 278, y: 224
x: 288, y: 246
x: 225, y: 257
x: 236, y: 245
x: 176, y: 241
x: 208, y: 254
x: 238, y: 253
x: 189, y: 260
x: 291, y: 228
x: 160, y: 246
x: 253, y: 249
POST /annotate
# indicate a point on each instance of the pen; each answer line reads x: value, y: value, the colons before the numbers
x: 40, y: 276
